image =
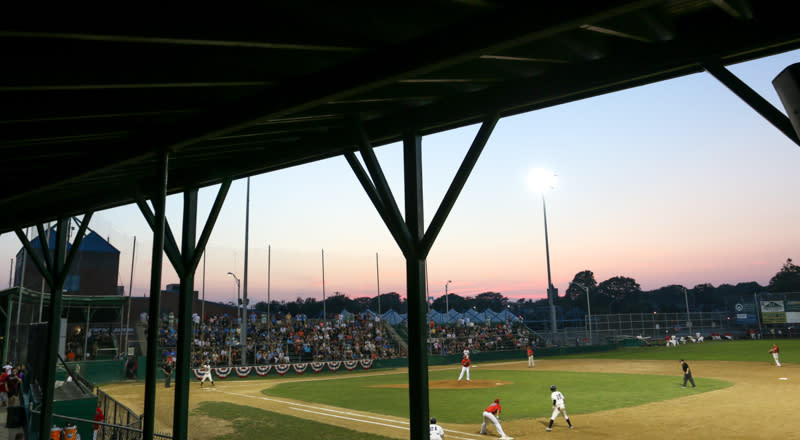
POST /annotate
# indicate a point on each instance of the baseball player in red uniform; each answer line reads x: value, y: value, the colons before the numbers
x: 491, y: 413
x: 530, y: 357
x: 465, y: 363
x: 774, y: 350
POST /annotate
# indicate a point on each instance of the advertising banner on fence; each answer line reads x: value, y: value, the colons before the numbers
x: 792, y: 311
x: 773, y: 312
x: 746, y: 314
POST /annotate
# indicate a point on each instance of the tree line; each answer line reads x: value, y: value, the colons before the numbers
x: 619, y: 294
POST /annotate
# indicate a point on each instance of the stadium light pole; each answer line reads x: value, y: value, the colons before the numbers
x: 688, y: 317
x: 540, y: 180
x: 238, y: 299
x: 588, y: 306
x: 447, y: 301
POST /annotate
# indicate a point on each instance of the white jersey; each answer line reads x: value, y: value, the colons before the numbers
x: 437, y: 432
x: 466, y: 353
x: 558, y: 399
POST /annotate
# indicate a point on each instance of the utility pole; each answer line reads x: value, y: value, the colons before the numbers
x: 244, y: 290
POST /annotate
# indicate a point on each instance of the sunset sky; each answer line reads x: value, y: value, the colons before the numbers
x: 678, y: 182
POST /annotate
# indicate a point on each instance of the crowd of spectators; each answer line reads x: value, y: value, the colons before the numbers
x: 477, y: 337
x: 282, y: 339
x: 99, y: 343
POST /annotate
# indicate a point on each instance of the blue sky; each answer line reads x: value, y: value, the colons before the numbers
x: 678, y: 182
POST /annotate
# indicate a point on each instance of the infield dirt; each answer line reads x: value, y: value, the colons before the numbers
x: 763, y: 403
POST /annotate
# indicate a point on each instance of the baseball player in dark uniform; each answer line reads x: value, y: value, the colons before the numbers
x: 687, y: 374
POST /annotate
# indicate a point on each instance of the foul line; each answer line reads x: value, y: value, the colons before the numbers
x: 348, y: 415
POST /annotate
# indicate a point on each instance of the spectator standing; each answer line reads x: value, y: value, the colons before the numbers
x: 3, y: 388
x: 98, y: 417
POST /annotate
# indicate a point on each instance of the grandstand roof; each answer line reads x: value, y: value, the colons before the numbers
x: 92, y: 242
x: 86, y: 106
x: 33, y: 296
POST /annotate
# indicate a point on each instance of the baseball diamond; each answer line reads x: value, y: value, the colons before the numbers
x: 726, y: 392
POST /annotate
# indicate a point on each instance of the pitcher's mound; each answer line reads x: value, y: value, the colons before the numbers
x: 453, y: 384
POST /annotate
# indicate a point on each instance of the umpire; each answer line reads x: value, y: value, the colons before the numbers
x: 687, y: 374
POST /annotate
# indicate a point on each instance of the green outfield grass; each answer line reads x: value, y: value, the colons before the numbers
x: 252, y: 423
x: 527, y: 395
x: 743, y: 350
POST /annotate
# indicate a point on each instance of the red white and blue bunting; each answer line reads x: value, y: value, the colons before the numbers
x: 350, y: 365
x: 243, y: 371
x: 282, y: 369
x: 223, y: 372
x: 262, y: 370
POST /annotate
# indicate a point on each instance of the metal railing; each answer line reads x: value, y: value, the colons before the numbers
x: 121, y: 422
x: 110, y: 431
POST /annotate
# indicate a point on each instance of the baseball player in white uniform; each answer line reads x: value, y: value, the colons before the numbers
x: 437, y: 433
x: 207, y: 375
x: 559, y: 406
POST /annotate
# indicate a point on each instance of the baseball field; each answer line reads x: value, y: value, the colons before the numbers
x: 629, y: 393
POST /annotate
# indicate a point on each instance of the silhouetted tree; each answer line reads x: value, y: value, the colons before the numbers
x: 787, y: 279
x: 584, y: 278
x: 495, y: 301
x: 389, y: 301
x: 619, y: 287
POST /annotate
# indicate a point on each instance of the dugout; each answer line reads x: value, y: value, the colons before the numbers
x: 89, y: 325
x: 93, y: 327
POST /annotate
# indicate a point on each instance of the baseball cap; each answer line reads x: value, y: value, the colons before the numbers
x: 496, y: 400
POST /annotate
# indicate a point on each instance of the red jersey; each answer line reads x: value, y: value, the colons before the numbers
x: 774, y: 349
x: 465, y: 362
x: 530, y: 352
x: 494, y: 408
x: 98, y: 417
